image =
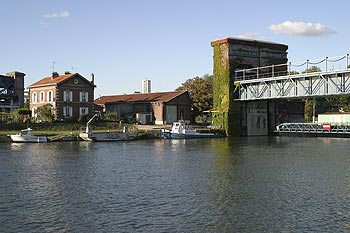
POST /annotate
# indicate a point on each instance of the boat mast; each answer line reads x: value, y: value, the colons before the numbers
x: 87, y: 130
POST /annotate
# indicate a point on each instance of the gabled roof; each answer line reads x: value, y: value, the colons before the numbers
x: 56, y: 80
x: 148, y: 97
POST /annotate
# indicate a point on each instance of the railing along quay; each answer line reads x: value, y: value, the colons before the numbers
x: 314, y: 128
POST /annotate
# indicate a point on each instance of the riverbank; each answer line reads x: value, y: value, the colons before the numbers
x: 58, y: 134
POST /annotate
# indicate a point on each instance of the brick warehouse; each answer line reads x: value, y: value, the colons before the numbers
x: 151, y: 108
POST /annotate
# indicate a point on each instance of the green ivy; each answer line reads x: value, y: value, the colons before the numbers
x: 223, y: 92
x: 222, y: 87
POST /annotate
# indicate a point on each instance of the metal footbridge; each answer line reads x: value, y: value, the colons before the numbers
x: 314, y: 128
x: 279, y: 81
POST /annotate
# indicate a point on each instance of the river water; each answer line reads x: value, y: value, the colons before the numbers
x: 254, y: 184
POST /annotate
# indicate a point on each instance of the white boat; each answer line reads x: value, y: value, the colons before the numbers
x: 182, y: 130
x: 88, y: 135
x: 26, y: 136
x: 107, y: 136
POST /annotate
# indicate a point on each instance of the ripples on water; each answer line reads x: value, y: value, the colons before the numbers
x: 256, y: 184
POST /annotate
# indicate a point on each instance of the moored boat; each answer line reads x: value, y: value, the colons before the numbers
x: 26, y: 136
x: 182, y: 130
x: 107, y: 136
x: 88, y: 135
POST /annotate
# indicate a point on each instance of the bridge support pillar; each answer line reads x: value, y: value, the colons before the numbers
x: 260, y: 118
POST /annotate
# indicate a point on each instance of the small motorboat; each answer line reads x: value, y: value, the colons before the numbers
x: 88, y: 135
x: 182, y: 130
x: 26, y: 136
x: 107, y: 136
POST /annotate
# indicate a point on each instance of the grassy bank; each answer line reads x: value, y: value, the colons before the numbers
x: 61, y: 128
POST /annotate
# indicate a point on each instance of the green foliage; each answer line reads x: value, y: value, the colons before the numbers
x: 308, y: 110
x: 19, y: 115
x: 336, y: 103
x: 293, y: 72
x: 6, y: 118
x: 328, y: 104
x: 44, y: 113
x: 27, y: 105
x: 84, y: 118
x: 201, y: 92
x: 110, y: 116
x: 22, y: 111
x: 312, y: 69
x: 222, y: 88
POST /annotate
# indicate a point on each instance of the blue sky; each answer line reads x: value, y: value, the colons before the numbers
x: 168, y: 42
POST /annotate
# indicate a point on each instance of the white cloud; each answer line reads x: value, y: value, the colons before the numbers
x: 65, y: 14
x: 62, y: 14
x: 301, y: 29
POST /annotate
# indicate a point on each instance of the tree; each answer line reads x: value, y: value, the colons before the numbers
x: 312, y: 69
x: 201, y: 92
x: 110, y: 116
x: 21, y: 115
x: 309, y: 110
x: 44, y: 113
x: 293, y: 72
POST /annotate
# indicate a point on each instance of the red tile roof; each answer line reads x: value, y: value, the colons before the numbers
x: 148, y: 97
x: 51, y: 81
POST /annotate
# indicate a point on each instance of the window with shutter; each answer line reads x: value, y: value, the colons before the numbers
x: 68, y: 96
x: 84, y: 96
x: 83, y: 110
x: 70, y: 111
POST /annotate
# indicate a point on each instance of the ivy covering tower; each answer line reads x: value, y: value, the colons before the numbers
x: 230, y: 55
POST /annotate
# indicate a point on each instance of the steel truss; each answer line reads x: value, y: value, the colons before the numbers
x: 295, y: 86
x: 313, y: 128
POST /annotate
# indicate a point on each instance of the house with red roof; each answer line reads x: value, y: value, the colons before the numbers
x: 149, y: 108
x: 70, y: 95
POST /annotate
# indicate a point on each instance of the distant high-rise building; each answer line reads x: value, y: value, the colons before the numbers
x: 146, y: 86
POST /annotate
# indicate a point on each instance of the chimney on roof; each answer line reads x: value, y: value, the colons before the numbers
x: 92, y: 79
x: 54, y: 75
x: 66, y: 72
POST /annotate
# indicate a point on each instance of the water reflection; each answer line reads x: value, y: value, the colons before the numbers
x: 255, y: 184
x: 17, y: 146
x: 280, y: 179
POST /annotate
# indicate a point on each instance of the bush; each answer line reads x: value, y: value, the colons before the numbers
x: 110, y: 116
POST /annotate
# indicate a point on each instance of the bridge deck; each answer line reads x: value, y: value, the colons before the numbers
x: 256, y: 85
